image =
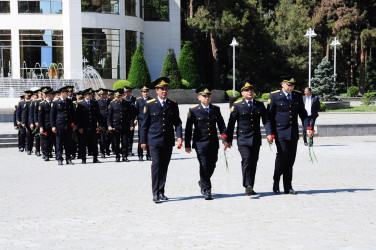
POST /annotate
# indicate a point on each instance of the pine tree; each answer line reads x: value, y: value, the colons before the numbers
x: 370, y: 73
x: 323, y: 81
x: 139, y: 73
x: 188, y: 65
x: 170, y: 69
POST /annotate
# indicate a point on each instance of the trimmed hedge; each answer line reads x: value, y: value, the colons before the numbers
x: 121, y: 84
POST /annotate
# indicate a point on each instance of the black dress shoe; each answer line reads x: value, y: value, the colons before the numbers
x: 108, y: 153
x: 95, y: 160
x: 117, y: 159
x: 276, y: 188
x: 43, y: 156
x: 46, y: 158
x: 21, y: 149
x: 37, y: 153
x: 130, y: 154
x: 248, y: 190
x: 60, y: 163
x: 156, y: 199
x: 28, y: 152
x: 291, y: 191
x: 83, y: 161
x: 208, y: 195
x: 163, y: 197
x: 103, y: 156
x: 305, y: 143
x: 148, y: 158
x: 70, y: 162
x: 125, y: 159
x: 202, y: 190
x: 140, y: 158
x: 254, y: 193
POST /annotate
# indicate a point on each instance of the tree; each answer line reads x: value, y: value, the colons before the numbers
x: 170, y: 69
x: 139, y: 73
x: 370, y: 80
x: 323, y: 81
x: 188, y: 65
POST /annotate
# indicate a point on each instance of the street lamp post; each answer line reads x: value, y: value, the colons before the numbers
x: 310, y: 33
x: 233, y: 44
x: 335, y: 43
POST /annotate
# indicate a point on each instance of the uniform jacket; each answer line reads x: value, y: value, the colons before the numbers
x: 20, y: 107
x: 26, y: 113
x: 139, y: 107
x: 315, y: 105
x: 205, y: 131
x: 248, y: 129
x: 44, y: 111
x: 103, y: 105
x: 133, y: 106
x: 284, y: 115
x: 87, y: 114
x: 34, y: 111
x: 157, y: 128
x: 62, y: 114
x: 15, y: 115
x: 120, y: 115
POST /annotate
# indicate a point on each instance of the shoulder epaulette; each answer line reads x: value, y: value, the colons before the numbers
x: 297, y: 91
x: 74, y: 102
x: 40, y: 99
x: 152, y: 100
x: 42, y: 102
x: 274, y: 92
x: 55, y: 99
x: 80, y: 100
x: 113, y: 100
x: 138, y: 97
x: 239, y: 101
x: 256, y: 100
x: 172, y: 100
x: 194, y: 106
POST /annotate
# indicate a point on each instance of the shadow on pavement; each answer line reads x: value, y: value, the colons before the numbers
x: 332, y: 191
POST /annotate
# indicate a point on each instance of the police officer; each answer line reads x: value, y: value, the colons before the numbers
x: 103, y: 105
x: 284, y: 106
x: 34, y: 124
x: 26, y: 122
x: 16, y: 123
x: 120, y: 122
x: 205, y: 117
x: 62, y: 122
x: 19, y: 116
x: 70, y: 93
x: 161, y: 115
x: 139, y: 108
x: 45, y: 129
x: 87, y: 120
x: 76, y: 136
x: 130, y: 98
x: 247, y: 112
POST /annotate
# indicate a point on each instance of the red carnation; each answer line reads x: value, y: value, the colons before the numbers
x: 272, y: 136
x: 180, y: 145
x: 72, y: 124
x: 224, y: 136
x: 309, y: 128
x: 45, y: 133
x: 314, y: 131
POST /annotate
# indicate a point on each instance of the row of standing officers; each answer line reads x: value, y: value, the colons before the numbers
x: 159, y: 124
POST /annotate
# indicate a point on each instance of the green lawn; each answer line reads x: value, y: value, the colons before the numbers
x: 355, y: 109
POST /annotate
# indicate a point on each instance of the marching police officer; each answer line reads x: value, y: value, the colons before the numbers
x: 120, y: 122
x: 130, y: 98
x: 161, y: 115
x: 45, y: 129
x: 284, y: 106
x: 139, y: 108
x: 62, y: 122
x: 205, y: 117
x: 16, y: 123
x: 19, y: 117
x: 87, y: 119
x: 26, y: 122
x: 34, y: 125
x: 247, y: 113
x: 103, y: 105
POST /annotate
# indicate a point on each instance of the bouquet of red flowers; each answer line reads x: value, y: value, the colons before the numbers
x: 270, y: 143
x: 312, y: 155
x: 224, y: 140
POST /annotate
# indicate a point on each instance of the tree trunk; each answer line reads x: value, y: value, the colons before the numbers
x: 328, y: 52
x: 190, y: 8
x: 216, y: 74
x: 363, y: 58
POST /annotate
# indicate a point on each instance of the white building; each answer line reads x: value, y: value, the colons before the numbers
x: 74, y: 33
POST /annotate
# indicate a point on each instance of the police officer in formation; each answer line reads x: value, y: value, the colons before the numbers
x: 104, y: 135
x: 130, y: 98
x: 17, y: 123
x: 139, y: 109
x: 45, y: 129
x: 285, y: 106
x: 120, y: 122
x: 26, y: 122
x: 248, y: 112
x: 161, y: 118
x: 205, y: 117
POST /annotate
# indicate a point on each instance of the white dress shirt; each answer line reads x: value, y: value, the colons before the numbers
x: 308, y: 104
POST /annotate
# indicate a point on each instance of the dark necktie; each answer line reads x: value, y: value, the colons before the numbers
x: 207, y: 110
x: 250, y: 104
x: 289, y: 97
x: 163, y: 103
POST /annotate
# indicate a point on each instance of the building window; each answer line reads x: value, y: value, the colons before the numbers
x: 38, y: 49
x: 130, y: 47
x: 5, y: 53
x: 40, y: 7
x: 130, y: 7
x: 141, y: 5
x: 156, y: 10
x: 4, y: 7
x: 101, y: 49
x: 100, y: 6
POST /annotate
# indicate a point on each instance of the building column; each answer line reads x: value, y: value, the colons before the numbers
x: 15, y: 35
x: 72, y: 39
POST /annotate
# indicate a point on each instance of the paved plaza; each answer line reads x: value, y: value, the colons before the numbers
x: 109, y: 205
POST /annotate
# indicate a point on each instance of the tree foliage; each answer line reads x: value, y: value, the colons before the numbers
x: 188, y: 66
x: 139, y: 72
x: 323, y: 80
x: 170, y: 69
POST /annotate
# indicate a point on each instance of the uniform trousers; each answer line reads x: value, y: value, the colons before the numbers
x: 21, y: 137
x: 89, y: 141
x: 130, y: 141
x: 120, y: 137
x: 161, y: 157
x: 284, y: 162
x: 63, y: 141
x: 140, y: 151
x: 29, y: 139
x: 250, y: 155
x: 47, y: 141
x: 37, y: 142
x: 104, y: 141
x: 207, y: 157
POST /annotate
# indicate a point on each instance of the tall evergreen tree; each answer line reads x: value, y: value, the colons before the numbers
x: 170, y: 69
x: 370, y: 81
x: 188, y: 65
x: 139, y: 73
x: 323, y: 81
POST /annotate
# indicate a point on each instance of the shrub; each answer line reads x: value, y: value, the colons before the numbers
x: 322, y: 106
x: 265, y: 96
x: 121, y: 84
x: 189, y: 66
x: 186, y: 85
x: 170, y: 69
x: 230, y: 94
x: 368, y: 98
x: 53, y: 66
x: 353, y: 91
x: 139, y: 73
